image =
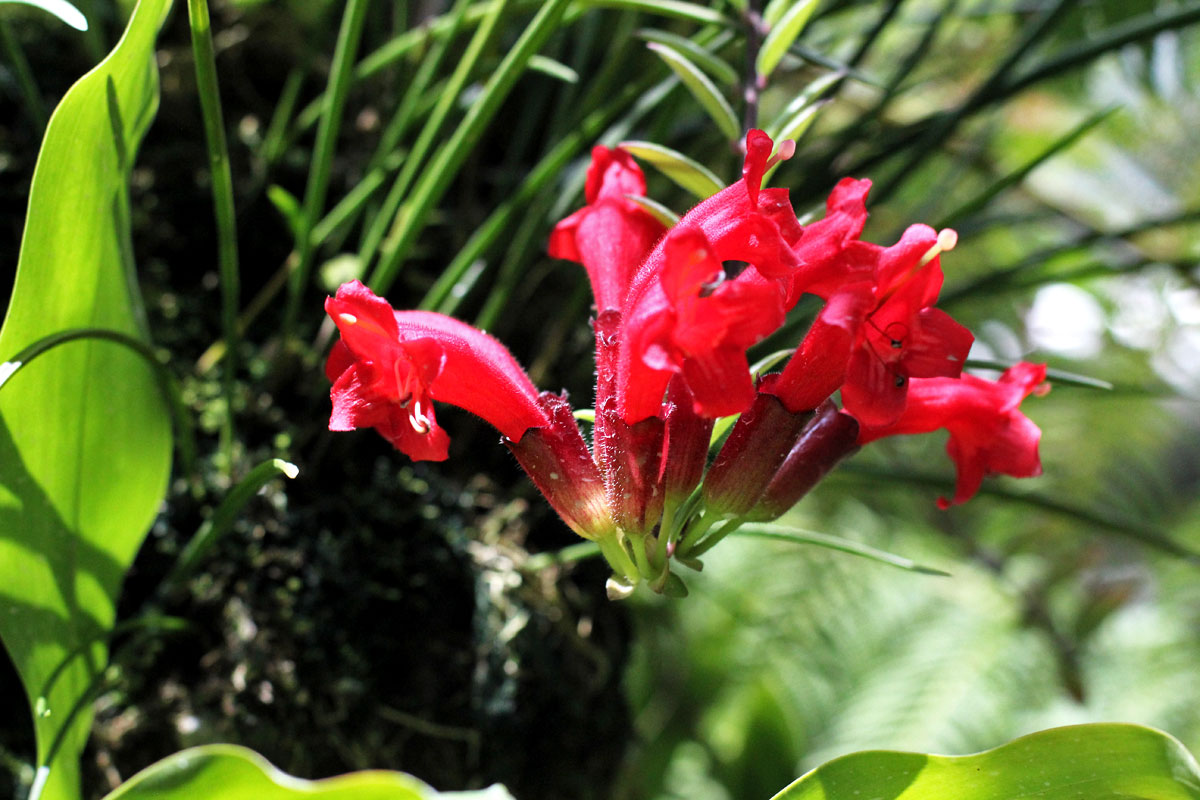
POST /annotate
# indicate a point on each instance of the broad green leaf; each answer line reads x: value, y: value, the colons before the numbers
x: 702, y: 88
x: 226, y: 772
x: 783, y: 33
x: 59, y: 8
x: 1095, y: 762
x: 85, y: 437
x: 685, y: 172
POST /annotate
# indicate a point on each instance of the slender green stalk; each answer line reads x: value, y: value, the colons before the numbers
x: 618, y: 558
x: 390, y: 212
x: 1143, y: 531
x: 223, y: 518
x: 15, y: 55
x: 568, y: 555
x: 223, y: 208
x: 1007, y: 277
x: 1133, y: 30
x: 275, y: 140
x: 710, y: 541
x: 693, y: 533
x: 449, y: 159
x: 340, y: 74
x: 638, y: 545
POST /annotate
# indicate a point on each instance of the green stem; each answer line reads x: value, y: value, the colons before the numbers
x: 568, y: 555
x: 223, y: 207
x: 711, y: 540
x: 638, y: 545
x: 695, y: 530
x: 618, y: 558
x: 223, y: 518
x: 666, y: 531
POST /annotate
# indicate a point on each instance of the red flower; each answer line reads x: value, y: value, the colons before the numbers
x: 687, y: 314
x: 390, y: 366
x: 903, y: 336
x: 988, y: 432
x: 825, y: 264
x: 611, y: 234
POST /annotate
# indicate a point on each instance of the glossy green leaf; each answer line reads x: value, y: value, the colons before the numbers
x: 1091, y: 762
x: 85, y: 437
x: 702, y: 88
x: 685, y: 172
x: 59, y: 8
x: 226, y: 772
x: 782, y: 34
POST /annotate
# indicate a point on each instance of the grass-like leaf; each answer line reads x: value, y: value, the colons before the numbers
x: 656, y: 209
x: 667, y: 8
x: 782, y: 34
x: 340, y: 75
x: 996, y: 187
x: 223, y: 206
x: 787, y: 533
x: 706, y: 60
x: 226, y: 514
x: 685, y: 172
x: 440, y: 172
x: 702, y: 88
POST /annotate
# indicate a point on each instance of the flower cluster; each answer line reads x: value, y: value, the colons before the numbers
x: 676, y: 311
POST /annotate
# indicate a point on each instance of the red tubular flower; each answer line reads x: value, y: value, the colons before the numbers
x: 611, y: 235
x: 818, y: 367
x: 988, y: 432
x: 686, y: 315
x: 389, y: 366
x: 824, y: 263
x: 682, y: 325
x: 903, y: 336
